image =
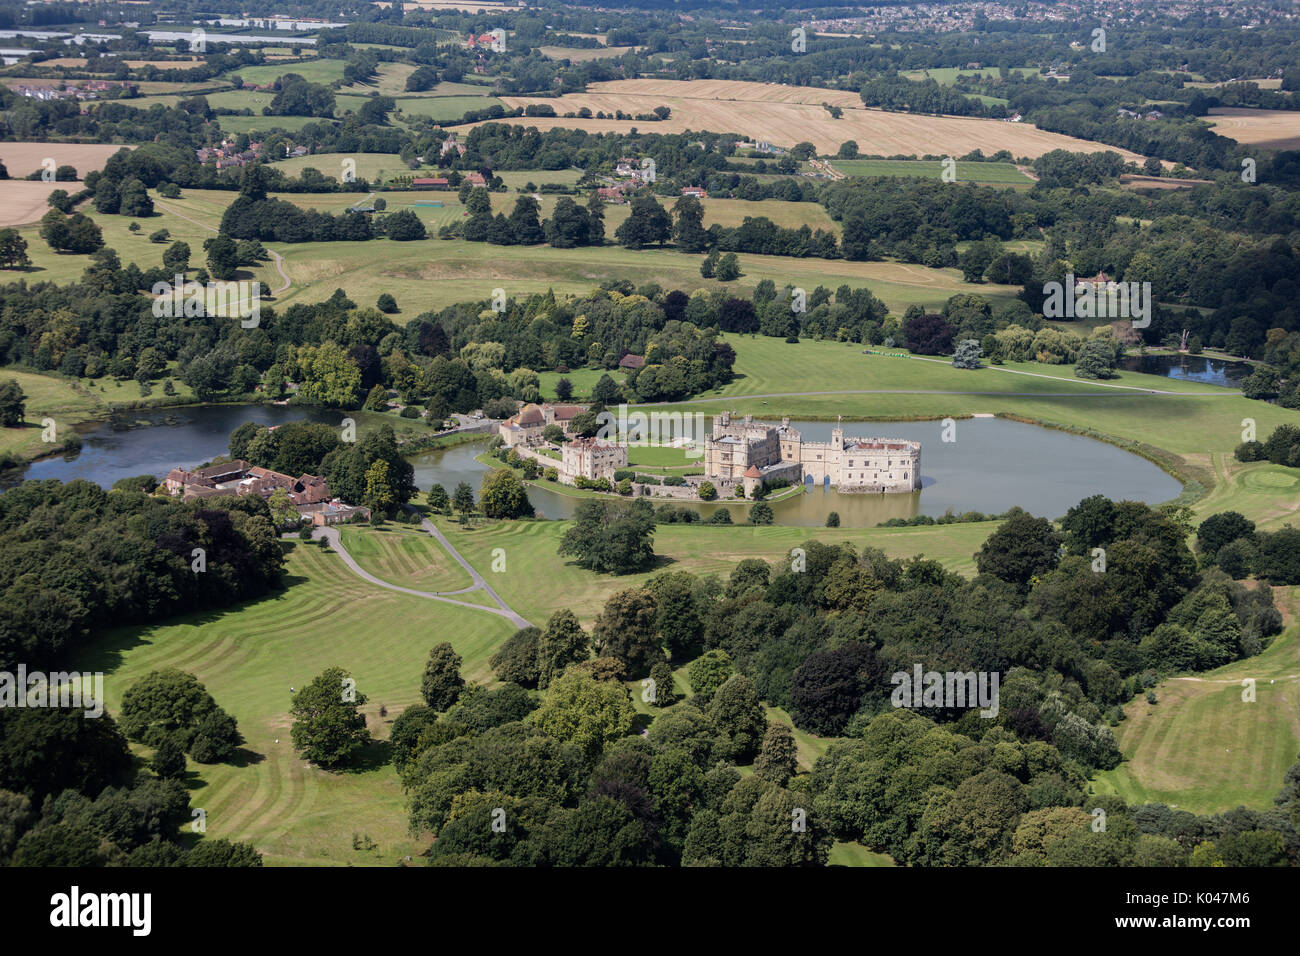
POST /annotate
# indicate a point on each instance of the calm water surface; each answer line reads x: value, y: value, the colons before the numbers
x: 993, y: 465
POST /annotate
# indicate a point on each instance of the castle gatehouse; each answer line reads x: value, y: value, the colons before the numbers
x: 750, y: 453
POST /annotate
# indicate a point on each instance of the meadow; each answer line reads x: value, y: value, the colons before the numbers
x: 947, y: 75
x: 47, y: 397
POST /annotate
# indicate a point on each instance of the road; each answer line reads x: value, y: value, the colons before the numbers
x: 480, y: 584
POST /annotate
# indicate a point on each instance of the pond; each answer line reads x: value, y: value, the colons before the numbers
x: 1190, y: 368
x: 992, y: 465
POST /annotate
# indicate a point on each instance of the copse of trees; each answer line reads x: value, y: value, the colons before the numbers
x: 822, y: 642
x: 610, y: 537
x: 75, y: 559
x: 172, y: 707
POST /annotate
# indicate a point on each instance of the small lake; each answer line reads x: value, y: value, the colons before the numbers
x: 1190, y: 368
x: 993, y: 465
x: 176, y: 437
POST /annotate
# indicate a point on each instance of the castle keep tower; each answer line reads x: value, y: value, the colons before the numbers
x: 749, y: 453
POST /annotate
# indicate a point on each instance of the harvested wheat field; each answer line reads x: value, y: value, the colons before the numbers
x: 583, y: 54
x: 785, y: 115
x: 22, y: 202
x: 1274, y: 129
x: 23, y: 158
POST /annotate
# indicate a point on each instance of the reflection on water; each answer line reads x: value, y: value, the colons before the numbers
x: 1190, y: 368
x: 993, y: 465
x: 182, y: 437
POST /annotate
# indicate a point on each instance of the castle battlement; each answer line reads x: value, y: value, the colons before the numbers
x: 750, y: 452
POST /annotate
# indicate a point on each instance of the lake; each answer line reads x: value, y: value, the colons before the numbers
x: 1190, y: 368
x: 993, y: 465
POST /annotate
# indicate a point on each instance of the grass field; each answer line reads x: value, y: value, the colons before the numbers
x: 311, y: 69
x: 584, y: 54
x: 437, y: 273
x: 1205, y: 749
x: 538, y: 582
x: 405, y: 556
x: 249, y: 657
x: 582, y: 379
x: 468, y: 271
x: 984, y: 173
x: 947, y: 75
x: 786, y: 115
x: 445, y: 109
x: 47, y: 397
x: 263, y: 124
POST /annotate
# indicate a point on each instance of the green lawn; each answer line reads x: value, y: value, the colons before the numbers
x: 539, y: 582
x: 1201, y: 746
x: 249, y: 657
x: 582, y: 379
x: 855, y: 854
x: 405, y: 556
x: 48, y: 396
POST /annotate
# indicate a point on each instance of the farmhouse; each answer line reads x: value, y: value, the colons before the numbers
x: 750, y: 453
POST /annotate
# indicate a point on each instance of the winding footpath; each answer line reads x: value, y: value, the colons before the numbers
x: 502, y: 609
x: 275, y: 256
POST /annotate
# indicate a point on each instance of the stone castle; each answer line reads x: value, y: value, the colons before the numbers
x: 750, y: 453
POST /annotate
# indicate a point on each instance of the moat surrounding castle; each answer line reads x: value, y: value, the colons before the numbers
x: 751, y: 453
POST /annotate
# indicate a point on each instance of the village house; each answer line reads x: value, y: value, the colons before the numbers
x: 697, y: 191
x: 614, y: 194
x: 592, y: 459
